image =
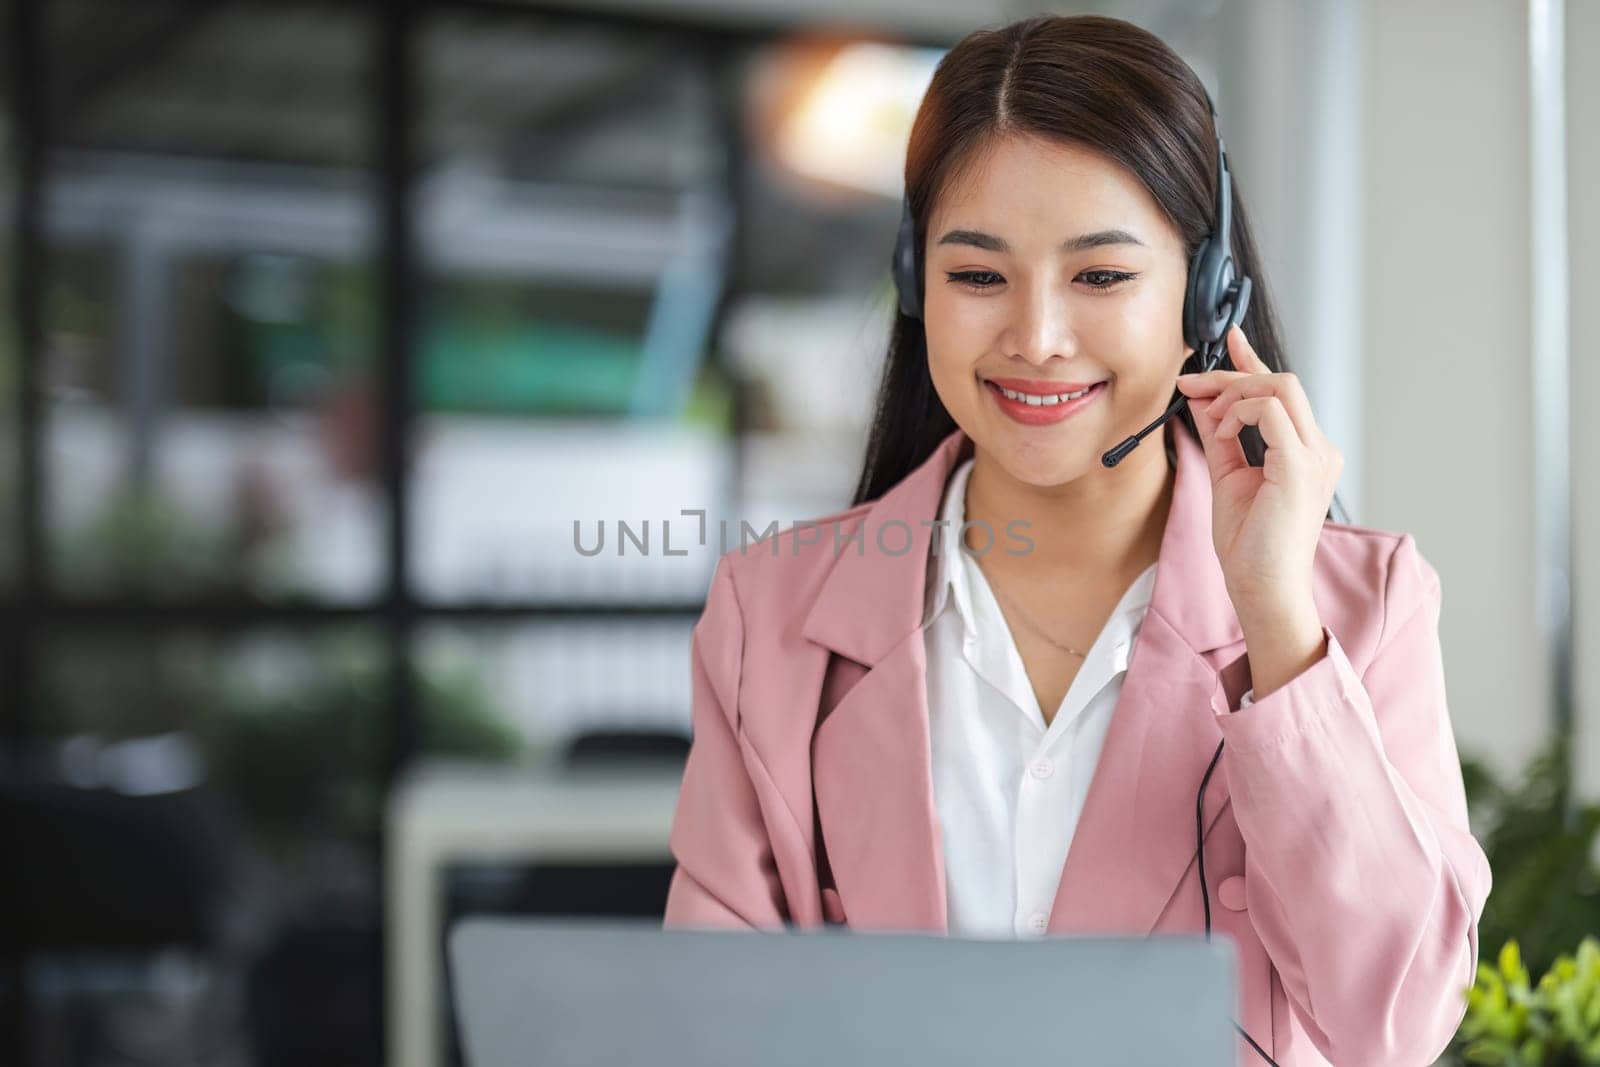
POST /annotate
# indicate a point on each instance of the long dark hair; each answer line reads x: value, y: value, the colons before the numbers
x: 1096, y: 81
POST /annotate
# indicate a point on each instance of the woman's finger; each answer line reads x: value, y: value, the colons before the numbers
x: 1222, y: 457
x: 1268, y: 415
x: 1286, y: 387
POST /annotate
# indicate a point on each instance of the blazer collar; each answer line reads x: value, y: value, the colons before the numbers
x: 873, y: 597
x: 871, y: 755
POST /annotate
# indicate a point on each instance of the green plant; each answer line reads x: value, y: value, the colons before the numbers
x: 139, y: 541
x: 310, y: 754
x: 1555, y: 1023
x: 1540, y: 844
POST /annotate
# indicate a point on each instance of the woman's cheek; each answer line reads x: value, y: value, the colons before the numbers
x: 946, y: 377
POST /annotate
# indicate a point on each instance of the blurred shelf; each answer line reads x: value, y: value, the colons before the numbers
x: 469, y: 219
x: 791, y: 475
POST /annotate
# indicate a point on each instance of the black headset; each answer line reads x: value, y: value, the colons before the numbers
x: 1214, y: 301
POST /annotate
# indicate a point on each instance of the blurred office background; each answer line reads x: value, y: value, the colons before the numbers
x: 325, y: 323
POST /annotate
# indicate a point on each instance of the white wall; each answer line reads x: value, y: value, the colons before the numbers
x: 1447, y: 344
x: 1583, y: 177
x: 1292, y: 100
x: 1384, y: 151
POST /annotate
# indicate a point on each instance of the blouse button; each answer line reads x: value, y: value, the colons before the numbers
x: 1042, y: 768
x: 1231, y: 893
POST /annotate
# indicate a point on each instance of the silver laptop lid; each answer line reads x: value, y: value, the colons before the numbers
x: 606, y: 993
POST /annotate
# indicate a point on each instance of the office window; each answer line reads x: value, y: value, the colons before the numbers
x: 573, y: 223
x: 209, y: 406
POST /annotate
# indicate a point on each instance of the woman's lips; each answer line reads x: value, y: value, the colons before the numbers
x: 1042, y: 414
x: 1038, y: 387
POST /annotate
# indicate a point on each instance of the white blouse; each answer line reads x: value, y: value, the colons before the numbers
x: 1009, y: 789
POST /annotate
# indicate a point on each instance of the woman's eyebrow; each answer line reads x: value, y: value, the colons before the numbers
x: 989, y: 242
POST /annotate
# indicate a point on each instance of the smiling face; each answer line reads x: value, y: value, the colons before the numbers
x: 1048, y: 266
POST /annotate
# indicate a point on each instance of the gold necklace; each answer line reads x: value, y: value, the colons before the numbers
x: 1035, y: 627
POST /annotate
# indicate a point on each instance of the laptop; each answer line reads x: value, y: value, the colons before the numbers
x: 559, y: 992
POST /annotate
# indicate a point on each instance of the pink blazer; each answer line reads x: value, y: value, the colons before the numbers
x: 1337, y: 846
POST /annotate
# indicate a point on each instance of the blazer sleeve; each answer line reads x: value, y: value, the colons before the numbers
x: 725, y: 874
x: 1362, y: 878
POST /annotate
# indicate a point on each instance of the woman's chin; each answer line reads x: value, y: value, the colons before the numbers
x: 1044, y: 464
x: 1043, y: 457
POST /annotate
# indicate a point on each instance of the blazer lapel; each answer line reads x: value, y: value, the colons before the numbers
x: 1135, y: 838
x: 871, y: 754
x: 871, y: 757
x: 874, y: 794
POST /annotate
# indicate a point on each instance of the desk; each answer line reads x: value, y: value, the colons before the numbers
x: 442, y: 813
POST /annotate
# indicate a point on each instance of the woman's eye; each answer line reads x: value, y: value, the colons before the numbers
x: 1109, y: 279
x: 969, y: 278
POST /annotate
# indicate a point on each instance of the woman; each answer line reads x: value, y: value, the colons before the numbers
x: 1003, y: 732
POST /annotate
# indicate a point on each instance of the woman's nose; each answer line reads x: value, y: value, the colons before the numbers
x: 1041, y: 327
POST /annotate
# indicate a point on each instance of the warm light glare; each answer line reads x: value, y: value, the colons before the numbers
x: 851, y: 126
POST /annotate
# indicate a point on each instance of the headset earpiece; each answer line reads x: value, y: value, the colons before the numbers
x: 1216, y: 298
x: 906, y: 282
x: 1208, y: 303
